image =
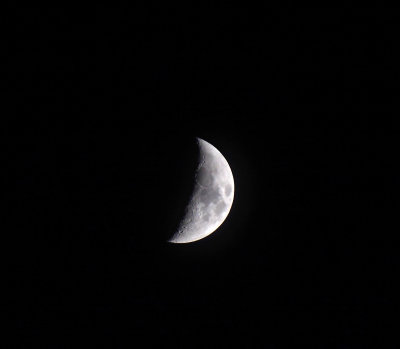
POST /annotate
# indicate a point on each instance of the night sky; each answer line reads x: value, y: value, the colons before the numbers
x: 302, y: 105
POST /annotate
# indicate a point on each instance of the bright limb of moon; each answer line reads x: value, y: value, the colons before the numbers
x: 211, y: 199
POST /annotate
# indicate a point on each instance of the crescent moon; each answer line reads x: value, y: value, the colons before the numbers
x: 211, y: 199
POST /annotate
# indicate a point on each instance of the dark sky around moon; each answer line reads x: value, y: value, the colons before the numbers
x: 301, y: 105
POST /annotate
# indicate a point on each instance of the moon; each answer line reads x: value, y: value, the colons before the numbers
x: 211, y: 199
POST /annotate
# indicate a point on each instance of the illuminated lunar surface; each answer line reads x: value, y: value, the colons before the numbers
x: 211, y: 199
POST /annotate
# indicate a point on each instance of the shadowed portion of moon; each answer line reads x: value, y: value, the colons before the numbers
x: 211, y: 199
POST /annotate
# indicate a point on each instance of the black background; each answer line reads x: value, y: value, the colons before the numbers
x: 105, y: 106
